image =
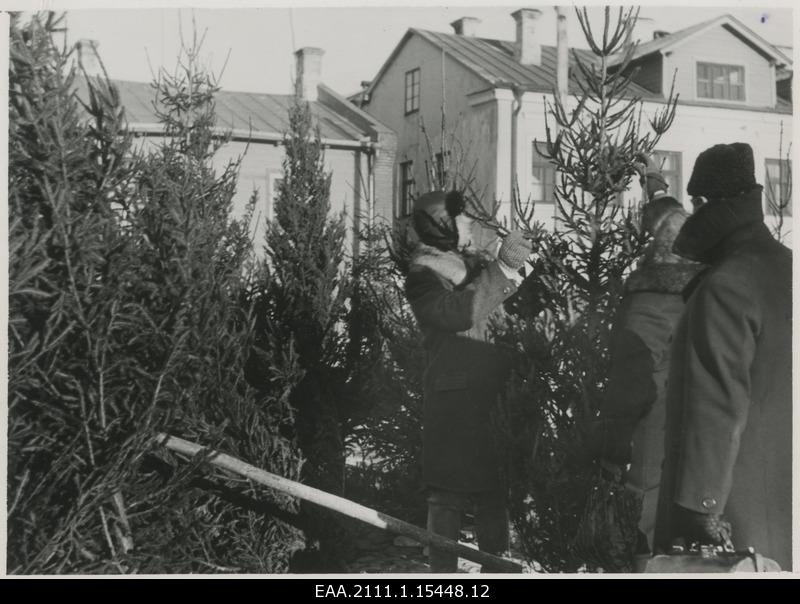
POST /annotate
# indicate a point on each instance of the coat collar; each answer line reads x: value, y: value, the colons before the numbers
x: 457, y: 268
x: 662, y: 278
x: 719, y: 226
x: 450, y: 266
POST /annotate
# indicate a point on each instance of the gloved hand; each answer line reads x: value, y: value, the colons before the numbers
x: 514, y: 250
x: 705, y: 529
x: 650, y: 176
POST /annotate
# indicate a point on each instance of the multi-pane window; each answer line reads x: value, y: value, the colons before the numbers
x: 543, y: 179
x: 723, y: 82
x: 406, y: 187
x: 412, y: 91
x: 778, y: 187
x: 670, y: 164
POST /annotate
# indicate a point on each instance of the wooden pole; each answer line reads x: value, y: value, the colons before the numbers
x: 339, y: 504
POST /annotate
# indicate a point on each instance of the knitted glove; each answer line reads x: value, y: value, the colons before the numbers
x: 705, y: 529
x: 514, y: 250
x: 650, y: 176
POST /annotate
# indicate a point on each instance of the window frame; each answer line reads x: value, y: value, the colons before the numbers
x: 678, y: 172
x: 769, y: 209
x: 414, y: 88
x: 539, y: 162
x: 406, y: 189
x: 710, y: 66
x: 273, y: 182
x: 441, y: 159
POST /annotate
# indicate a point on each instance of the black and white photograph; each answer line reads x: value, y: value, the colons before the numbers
x: 329, y: 290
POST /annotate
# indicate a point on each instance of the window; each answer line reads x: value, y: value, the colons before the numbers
x: 723, y: 82
x: 442, y: 161
x: 406, y: 187
x: 412, y: 91
x: 670, y: 164
x: 778, y: 187
x: 274, y: 180
x: 543, y: 178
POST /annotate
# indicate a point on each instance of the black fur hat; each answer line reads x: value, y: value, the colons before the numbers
x: 434, y: 218
x: 723, y: 171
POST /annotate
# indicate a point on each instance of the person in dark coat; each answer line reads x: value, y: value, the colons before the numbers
x: 452, y: 293
x: 728, y: 447
x: 631, y: 416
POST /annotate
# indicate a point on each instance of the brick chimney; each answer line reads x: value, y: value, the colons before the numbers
x: 88, y: 58
x: 527, y: 48
x: 465, y: 26
x: 308, y: 62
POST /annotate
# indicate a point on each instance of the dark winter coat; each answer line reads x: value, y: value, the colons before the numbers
x: 729, y: 405
x: 452, y: 298
x: 633, y: 409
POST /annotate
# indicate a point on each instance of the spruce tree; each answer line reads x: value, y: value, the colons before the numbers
x: 566, y: 515
x: 306, y: 292
x: 130, y: 314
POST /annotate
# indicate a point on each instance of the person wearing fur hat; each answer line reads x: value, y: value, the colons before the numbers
x: 631, y: 416
x: 453, y: 292
x: 727, y: 476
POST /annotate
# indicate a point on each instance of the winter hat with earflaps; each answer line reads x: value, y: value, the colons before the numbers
x: 433, y: 218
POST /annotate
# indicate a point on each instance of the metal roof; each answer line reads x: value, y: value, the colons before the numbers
x: 493, y: 61
x: 240, y: 111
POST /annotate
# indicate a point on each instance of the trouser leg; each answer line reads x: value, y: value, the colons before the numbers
x: 444, y: 518
x: 491, y: 524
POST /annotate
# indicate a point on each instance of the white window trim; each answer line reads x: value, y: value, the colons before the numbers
x: 716, y: 61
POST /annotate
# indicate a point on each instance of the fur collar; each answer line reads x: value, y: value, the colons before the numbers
x: 450, y: 266
x: 662, y: 278
x: 454, y: 267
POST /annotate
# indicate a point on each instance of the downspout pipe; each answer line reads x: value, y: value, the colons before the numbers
x: 516, y: 108
x: 371, y: 161
x: 562, y: 73
x: 562, y: 59
x: 371, y: 150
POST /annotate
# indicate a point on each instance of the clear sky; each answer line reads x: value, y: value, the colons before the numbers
x: 356, y: 40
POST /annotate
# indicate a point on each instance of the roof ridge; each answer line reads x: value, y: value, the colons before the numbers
x: 481, y: 38
x: 222, y: 89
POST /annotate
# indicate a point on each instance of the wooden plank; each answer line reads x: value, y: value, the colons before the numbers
x: 339, y: 504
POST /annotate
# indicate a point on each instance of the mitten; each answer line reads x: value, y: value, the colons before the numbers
x: 514, y: 250
x: 650, y: 176
x: 705, y: 529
